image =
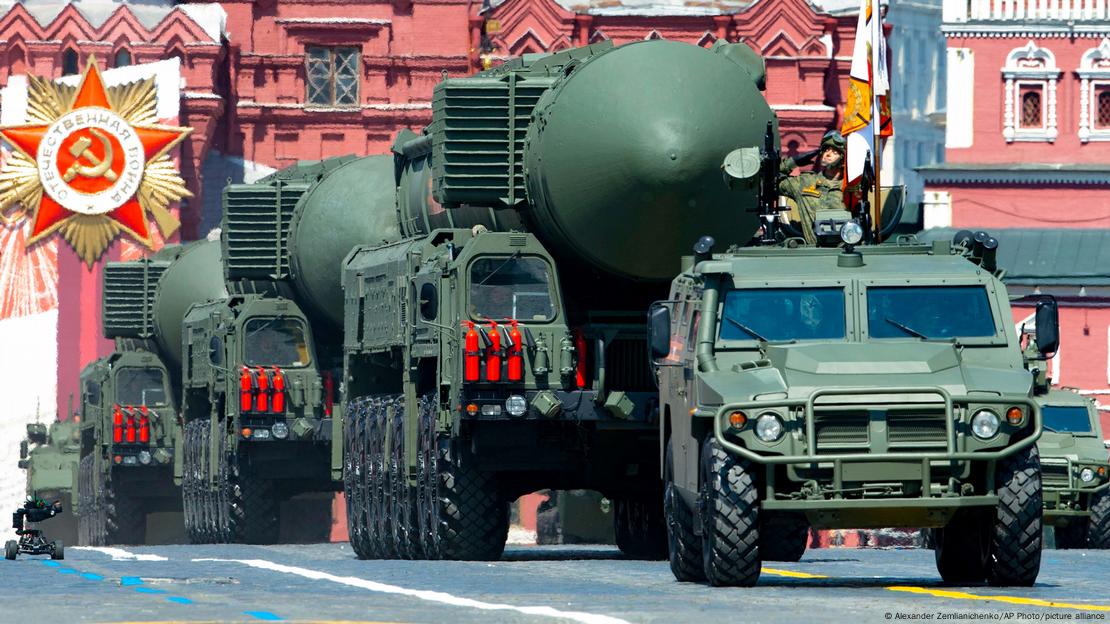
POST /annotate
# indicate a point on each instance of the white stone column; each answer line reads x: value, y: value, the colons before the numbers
x: 1008, y: 113
x: 936, y: 209
x: 1084, y: 108
x: 1050, y: 121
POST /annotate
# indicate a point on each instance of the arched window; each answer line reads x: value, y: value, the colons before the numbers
x: 122, y: 59
x: 69, y: 62
x: 1094, y: 93
x: 1031, y: 109
x: 1103, y: 115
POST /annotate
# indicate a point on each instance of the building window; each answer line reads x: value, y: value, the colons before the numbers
x: 1029, y: 111
x: 1094, y: 93
x: 333, y: 76
x: 122, y: 59
x: 69, y: 62
x: 1031, y: 114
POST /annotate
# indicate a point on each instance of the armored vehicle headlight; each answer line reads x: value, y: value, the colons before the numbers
x: 737, y: 419
x: 851, y: 233
x: 984, y: 424
x: 280, y: 430
x: 516, y: 405
x: 144, y: 458
x: 768, y: 427
x: 1014, y: 415
x: 1086, y: 475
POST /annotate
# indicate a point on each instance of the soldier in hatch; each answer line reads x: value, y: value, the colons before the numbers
x: 815, y: 190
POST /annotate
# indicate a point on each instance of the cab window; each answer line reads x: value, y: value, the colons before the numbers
x: 275, y: 342
x: 783, y: 314
x: 929, y: 312
x: 92, y: 392
x: 1066, y: 419
x: 140, y: 386
x: 513, y: 287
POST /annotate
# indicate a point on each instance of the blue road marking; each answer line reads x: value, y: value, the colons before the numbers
x: 126, y: 581
x: 179, y: 600
x: 91, y: 576
x: 264, y: 615
x: 53, y: 564
x: 67, y: 570
x: 149, y: 590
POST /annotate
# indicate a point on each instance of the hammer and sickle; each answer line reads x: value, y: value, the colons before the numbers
x: 99, y: 168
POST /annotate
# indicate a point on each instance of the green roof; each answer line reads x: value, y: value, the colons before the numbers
x: 1034, y: 256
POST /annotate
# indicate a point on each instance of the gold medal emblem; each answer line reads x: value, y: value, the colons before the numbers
x: 91, y: 164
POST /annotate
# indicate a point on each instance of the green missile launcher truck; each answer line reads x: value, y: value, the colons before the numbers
x: 262, y: 366
x: 493, y: 342
x: 130, y: 432
x: 866, y: 387
x: 1074, y: 469
x: 50, y: 458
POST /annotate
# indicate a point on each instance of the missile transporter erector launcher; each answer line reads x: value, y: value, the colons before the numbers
x: 881, y: 386
x: 130, y: 436
x: 262, y: 366
x: 497, y: 347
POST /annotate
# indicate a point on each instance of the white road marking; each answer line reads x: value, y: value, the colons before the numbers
x: 119, y: 554
x: 422, y: 594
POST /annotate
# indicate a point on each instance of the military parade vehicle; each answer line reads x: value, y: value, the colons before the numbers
x: 859, y: 386
x: 1074, y: 470
x: 50, y: 456
x: 497, y: 346
x: 262, y: 365
x: 130, y: 400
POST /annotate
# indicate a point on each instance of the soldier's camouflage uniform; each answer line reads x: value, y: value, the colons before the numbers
x: 811, y: 191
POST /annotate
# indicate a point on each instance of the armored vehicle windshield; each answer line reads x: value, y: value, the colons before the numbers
x: 772, y: 314
x: 276, y: 342
x: 929, y: 312
x: 513, y: 287
x: 1067, y: 419
x: 140, y: 386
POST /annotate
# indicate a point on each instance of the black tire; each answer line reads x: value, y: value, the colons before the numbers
x: 730, y: 518
x: 126, y: 516
x: 683, y: 544
x: 472, y: 519
x: 1018, y: 524
x: 353, y: 480
x: 364, y: 484
x: 255, y: 506
x: 961, y: 548
x: 402, y: 506
x: 639, y: 527
x: 427, y: 476
x: 59, y: 551
x: 11, y: 550
x: 223, y: 494
x: 86, y: 502
x: 783, y: 536
x: 1098, y: 532
x: 1074, y: 535
x: 378, y: 479
x: 194, y: 486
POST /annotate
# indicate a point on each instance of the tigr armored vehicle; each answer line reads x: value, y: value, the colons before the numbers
x: 130, y: 435
x: 50, y: 458
x: 498, y: 347
x: 880, y: 386
x: 1074, y: 470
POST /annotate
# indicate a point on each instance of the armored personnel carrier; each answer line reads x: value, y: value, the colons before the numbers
x: 859, y: 386
x: 50, y: 456
x: 1074, y: 469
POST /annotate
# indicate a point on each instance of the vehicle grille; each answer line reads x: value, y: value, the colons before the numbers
x: 627, y: 367
x: 916, y: 428
x: 838, y: 428
x: 1055, y: 474
x: 849, y: 429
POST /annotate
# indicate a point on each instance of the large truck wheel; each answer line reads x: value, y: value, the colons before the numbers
x: 783, y: 536
x: 192, y: 483
x: 126, y: 516
x: 730, y: 518
x: 1098, y: 533
x: 961, y: 547
x: 378, y: 479
x: 1074, y: 535
x: 639, y: 527
x: 402, y: 507
x: 683, y: 544
x: 471, y: 520
x: 254, y: 503
x: 223, y: 493
x: 1016, y: 536
x: 85, y: 502
x: 353, y: 491
x: 427, y: 506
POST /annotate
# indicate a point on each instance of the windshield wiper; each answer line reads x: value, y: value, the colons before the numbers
x: 1047, y: 428
x: 909, y: 330
x: 511, y: 257
x: 747, y: 329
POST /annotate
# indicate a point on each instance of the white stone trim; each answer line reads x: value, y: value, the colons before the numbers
x: 936, y: 210
x: 1094, y: 71
x: 959, y: 130
x: 1030, y: 64
x: 1018, y: 10
x: 1093, y: 177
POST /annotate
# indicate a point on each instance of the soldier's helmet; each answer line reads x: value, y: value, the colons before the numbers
x: 834, y: 140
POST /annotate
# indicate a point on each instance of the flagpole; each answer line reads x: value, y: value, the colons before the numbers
x: 878, y: 164
x: 877, y: 119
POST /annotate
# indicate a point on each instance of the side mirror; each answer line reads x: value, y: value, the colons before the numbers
x: 23, y: 463
x: 23, y: 449
x: 659, y: 331
x: 1048, y: 327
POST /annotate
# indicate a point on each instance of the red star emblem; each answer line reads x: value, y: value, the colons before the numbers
x: 74, y: 154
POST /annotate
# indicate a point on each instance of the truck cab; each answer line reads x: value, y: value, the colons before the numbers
x: 1074, y: 468
x: 866, y: 387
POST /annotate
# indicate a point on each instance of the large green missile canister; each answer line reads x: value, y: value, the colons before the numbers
x: 293, y: 228
x: 194, y: 276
